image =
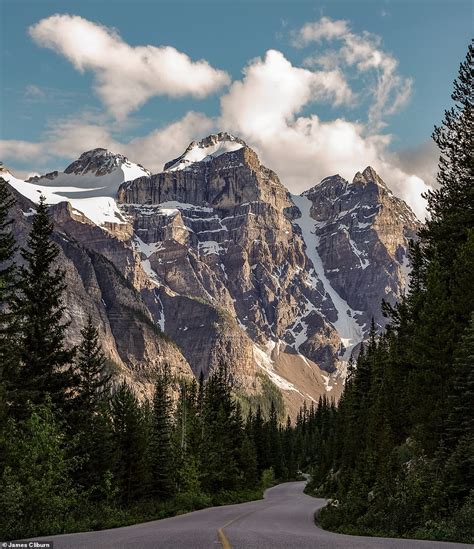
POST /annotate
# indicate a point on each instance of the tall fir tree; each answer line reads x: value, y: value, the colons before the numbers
x: 93, y: 377
x: 130, y: 443
x: 163, y: 481
x: 90, y: 419
x: 45, y: 361
x: 8, y: 343
x: 222, y: 434
x: 451, y: 204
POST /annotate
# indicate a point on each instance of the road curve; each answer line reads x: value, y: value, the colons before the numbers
x: 283, y: 520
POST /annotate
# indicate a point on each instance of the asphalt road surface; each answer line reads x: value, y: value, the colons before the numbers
x: 283, y: 520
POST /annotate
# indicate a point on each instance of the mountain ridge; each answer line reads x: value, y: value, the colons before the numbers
x: 222, y: 233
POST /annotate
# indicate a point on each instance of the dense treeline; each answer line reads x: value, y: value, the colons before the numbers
x: 79, y: 452
x: 397, y: 455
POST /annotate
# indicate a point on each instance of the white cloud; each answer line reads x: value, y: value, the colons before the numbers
x: 324, y: 29
x: 389, y: 91
x: 126, y: 77
x: 14, y: 149
x: 263, y: 108
x: 421, y: 160
x: 164, y: 144
x: 302, y: 151
x: 273, y: 90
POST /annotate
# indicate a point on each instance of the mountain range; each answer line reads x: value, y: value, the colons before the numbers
x: 213, y: 260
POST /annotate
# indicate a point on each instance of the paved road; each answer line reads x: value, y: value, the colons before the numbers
x: 283, y: 520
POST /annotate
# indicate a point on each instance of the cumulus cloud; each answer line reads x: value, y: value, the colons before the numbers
x: 264, y: 108
x: 302, y: 151
x: 15, y: 149
x: 363, y: 52
x: 164, y: 144
x: 273, y: 90
x: 126, y: 76
x: 421, y: 160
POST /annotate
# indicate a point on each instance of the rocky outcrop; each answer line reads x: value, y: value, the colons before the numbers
x: 245, y: 257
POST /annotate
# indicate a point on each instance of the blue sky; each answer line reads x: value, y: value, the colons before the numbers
x: 43, y: 90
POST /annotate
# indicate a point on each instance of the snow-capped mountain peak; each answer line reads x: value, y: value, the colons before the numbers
x: 205, y: 150
x: 102, y: 161
x: 89, y: 184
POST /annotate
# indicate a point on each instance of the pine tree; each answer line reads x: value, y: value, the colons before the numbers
x: 45, y: 361
x: 451, y: 205
x: 93, y: 378
x: 8, y: 344
x: 275, y: 442
x: 248, y: 463
x: 163, y: 483
x: 36, y: 492
x: 461, y: 399
x: 222, y: 434
x: 7, y: 243
x: 90, y: 421
x: 129, y: 441
x: 260, y: 440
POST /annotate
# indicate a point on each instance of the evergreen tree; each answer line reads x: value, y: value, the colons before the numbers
x: 93, y: 379
x: 222, y: 434
x: 461, y: 398
x: 90, y: 419
x: 163, y: 482
x: 129, y: 441
x: 45, y: 367
x: 248, y: 463
x: 8, y: 344
x: 275, y: 442
x: 451, y: 205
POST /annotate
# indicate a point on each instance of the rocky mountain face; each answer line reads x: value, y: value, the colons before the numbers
x: 134, y: 345
x: 361, y: 234
x: 214, y: 260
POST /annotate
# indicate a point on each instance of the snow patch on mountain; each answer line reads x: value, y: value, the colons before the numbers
x: 264, y: 361
x: 99, y: 209
x: 89, y: 184
x: 346, y: 325
x: 205, y: 151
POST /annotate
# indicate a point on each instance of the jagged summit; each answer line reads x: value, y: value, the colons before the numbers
x: 332, y: 180
x: 205, y: 150
x: 100, y: 162
x: 369, y: 175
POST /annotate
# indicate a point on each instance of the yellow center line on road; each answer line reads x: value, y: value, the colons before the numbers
x: 223, y: 539
x: 221, y: 534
